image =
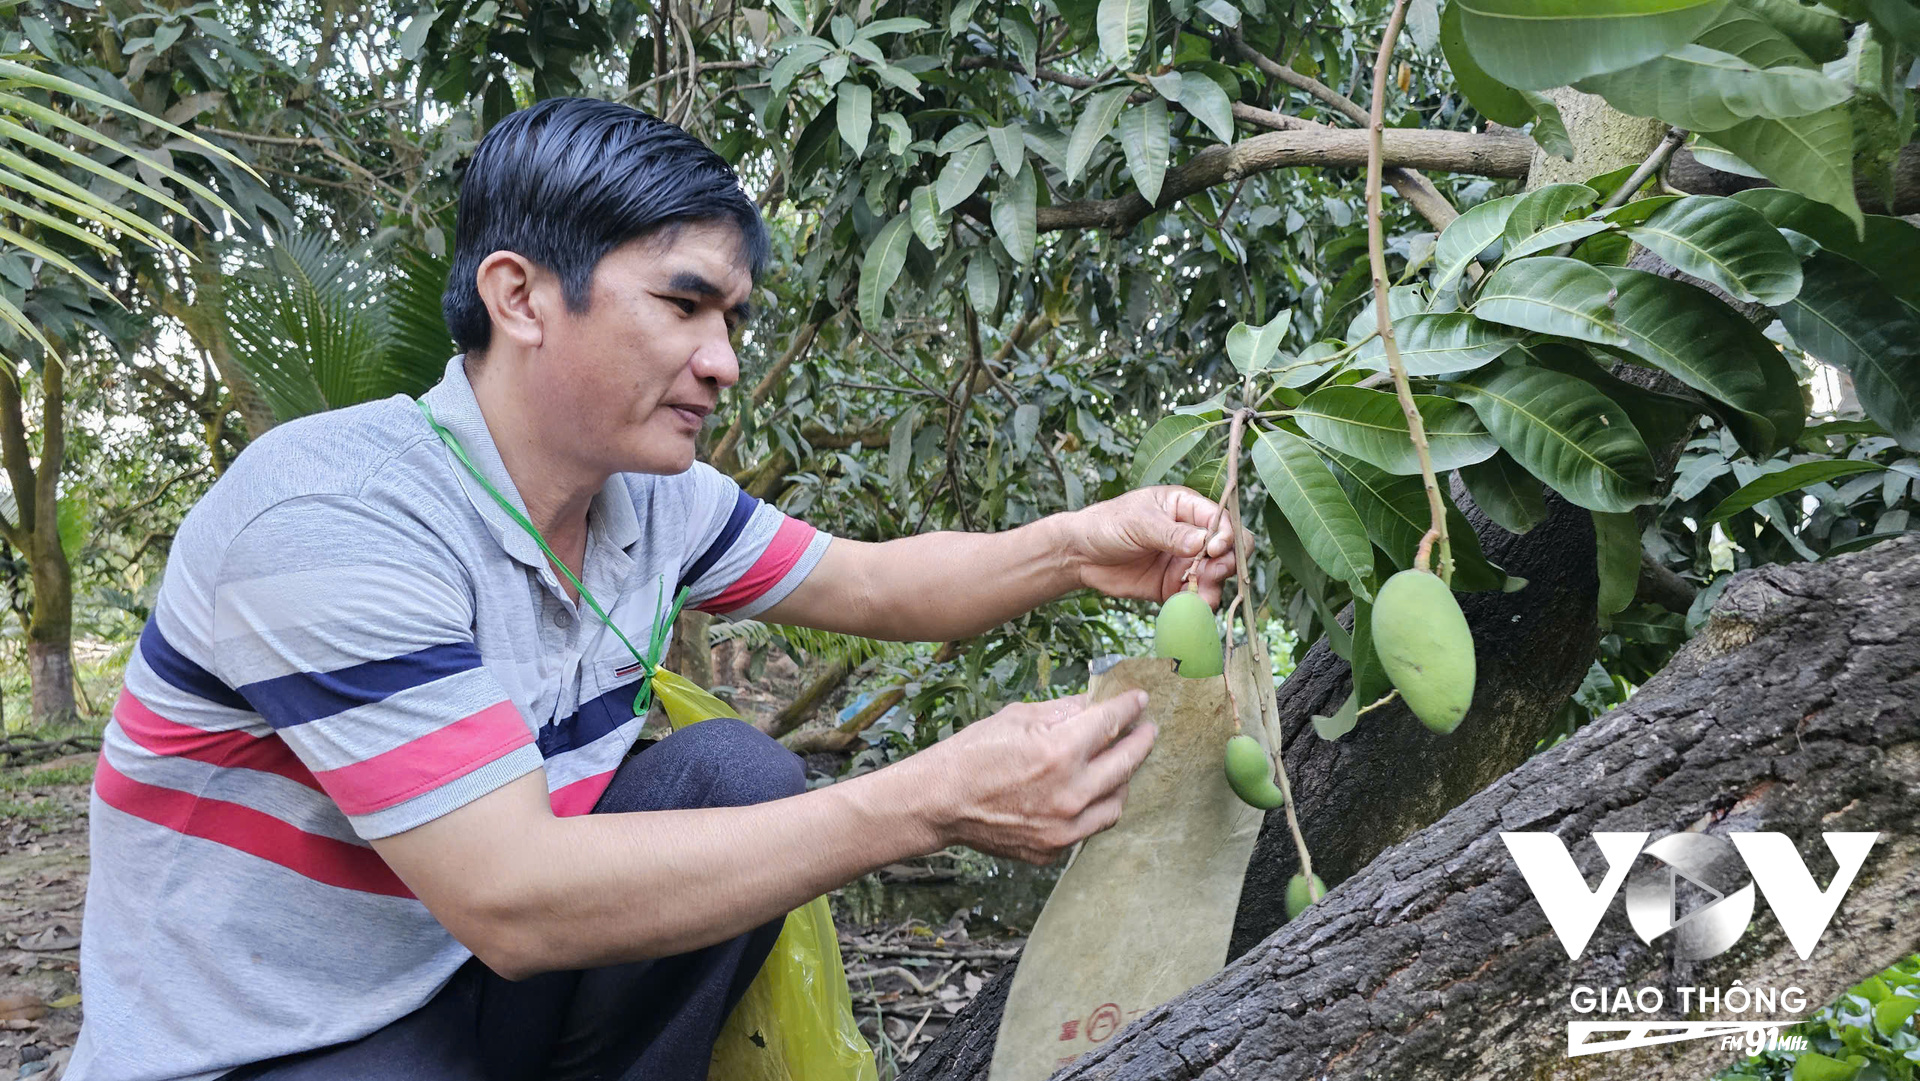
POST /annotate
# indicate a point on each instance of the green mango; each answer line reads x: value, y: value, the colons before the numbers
x: 1299, y: 896
x: 1424, y: 644
x: 1186, y: 631
x: 1250, y: 774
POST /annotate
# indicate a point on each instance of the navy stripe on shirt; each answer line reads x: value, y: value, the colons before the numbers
x: 299, y: 697
x: 743, y: 507
x: 590, y: 722
x: 173, y: 666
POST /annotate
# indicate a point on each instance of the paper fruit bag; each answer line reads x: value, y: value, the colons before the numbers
x: 1145, y: 909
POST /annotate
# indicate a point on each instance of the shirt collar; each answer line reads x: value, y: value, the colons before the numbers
x: 611, y: 518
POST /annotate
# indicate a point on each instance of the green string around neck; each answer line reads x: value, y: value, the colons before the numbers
x: 657, y: 641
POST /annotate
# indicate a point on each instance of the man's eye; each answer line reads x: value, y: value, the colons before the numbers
x: 688, y: 306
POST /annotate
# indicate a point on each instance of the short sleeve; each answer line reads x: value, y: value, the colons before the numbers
x: 350, y: 632
x: 744, y: 555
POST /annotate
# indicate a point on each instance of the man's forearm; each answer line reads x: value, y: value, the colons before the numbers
x: 941, y: 587
x: 563, y: 893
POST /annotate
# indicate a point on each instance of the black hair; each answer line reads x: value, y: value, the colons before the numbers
x: 568, y: 180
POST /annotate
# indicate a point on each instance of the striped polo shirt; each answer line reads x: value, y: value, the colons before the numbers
x: 352, y: 639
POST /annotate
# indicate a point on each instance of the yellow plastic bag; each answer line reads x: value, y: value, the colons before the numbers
x: 795, y: 1022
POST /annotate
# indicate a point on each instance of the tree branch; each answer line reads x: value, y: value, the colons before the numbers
x: 15, y: 455
x: 1489, y: 154
x: 1660, y: 586
x: 723, y: 454
x: 1685, y: 173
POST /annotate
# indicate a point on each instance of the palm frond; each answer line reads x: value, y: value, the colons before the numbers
x: 829, y: 646
x: 303, y: 323
x: 124, y: 220
x: 418, y: 343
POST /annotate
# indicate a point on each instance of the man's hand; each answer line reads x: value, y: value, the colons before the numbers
x: 1037, y: 777
x: 1139, y: 545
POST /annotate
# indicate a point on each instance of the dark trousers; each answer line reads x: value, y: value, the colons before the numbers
x: 647, y: 1021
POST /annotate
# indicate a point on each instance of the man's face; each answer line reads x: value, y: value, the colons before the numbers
x: 636, y: 374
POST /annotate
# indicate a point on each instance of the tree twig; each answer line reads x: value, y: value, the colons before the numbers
x: 1659, y: 156
x: 1383, y: 312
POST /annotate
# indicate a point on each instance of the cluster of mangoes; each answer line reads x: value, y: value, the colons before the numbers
x: 1423, y: 643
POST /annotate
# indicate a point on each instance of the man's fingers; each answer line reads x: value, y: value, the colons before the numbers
x: 1111, y: 768
x: 1101, y: 723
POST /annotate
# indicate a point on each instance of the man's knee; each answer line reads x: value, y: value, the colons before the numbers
x: 722, y: 762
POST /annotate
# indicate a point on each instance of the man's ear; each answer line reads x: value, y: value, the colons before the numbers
x: 519, y: 297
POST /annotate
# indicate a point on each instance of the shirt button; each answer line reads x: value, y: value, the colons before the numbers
x: 562, y: 618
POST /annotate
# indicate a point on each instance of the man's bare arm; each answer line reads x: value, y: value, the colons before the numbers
x: 941, y: 587
x: 528, y: 892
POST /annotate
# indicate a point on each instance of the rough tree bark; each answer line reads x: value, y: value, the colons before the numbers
x: 1796, y: 710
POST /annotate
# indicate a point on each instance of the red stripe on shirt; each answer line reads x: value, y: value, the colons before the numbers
x: 231, y: 749
x: 579, y: 797
x: 322, y: 859
x: 442, y: 755
x: 788, y: 545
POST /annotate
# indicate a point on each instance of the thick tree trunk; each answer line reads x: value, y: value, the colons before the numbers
x: 1796, y: 710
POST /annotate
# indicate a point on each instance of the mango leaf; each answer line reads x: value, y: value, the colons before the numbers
x: 983, y: 282
x: 1814, y: 1066
x: 1553, y: 295
x: 1549, y: 129
x: 1616, y: 541
x: 1538, y: 44
x: 855, y: 115
x: 1791, y: 479
x: 1309, y: 364
x: 1369, y: 425
x: 1402, y: 301
x: 1468, y: 235
x: 1845, y: 317
x: 1545, y: 206
x: 1144, y: 138
x: 1300, y: 483
x: 1811, y: 154
x: 898, y: 25
x: 1660, y: 418
x: 1891, y: 1013
x: 70, y: 522
x: 1553, y: 236
x: 923, y: 209
x: 1491, y: 98
x: 961, y: 176
x: 1886, y: 251
x: 1013, y: 215
x: 1394, y: 510
x: 881, y: 267
x: 1370, y: 679
x: 1122, y: 26
x: 1343, y: 720
x: 1096, y: 120
x: 1725, y: 242
x: 1576, y: 439
x: 1251, y: 348
x: 1691, y: 335
x: 1739, y: 30
x: 1009, y: 147
x: 1816, y: 31
x: 1704, y: 89
x: 1506, y: 493
x: 1209, y: 478
x: 1204, y: 98
x: 1164, y: 444
x: 1440, y: 343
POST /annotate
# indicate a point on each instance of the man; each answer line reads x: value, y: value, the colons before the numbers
x: 340, y: 824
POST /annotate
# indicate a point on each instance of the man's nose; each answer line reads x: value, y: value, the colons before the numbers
x: 716, y: 360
